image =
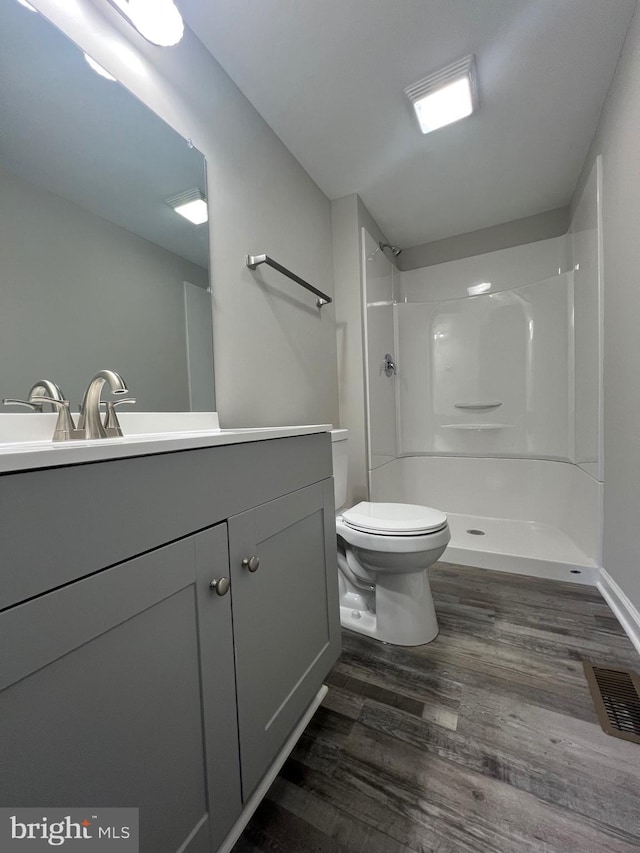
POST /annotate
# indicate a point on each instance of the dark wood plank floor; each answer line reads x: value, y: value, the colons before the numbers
x: 484, y: 740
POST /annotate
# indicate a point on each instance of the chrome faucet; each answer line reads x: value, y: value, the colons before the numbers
x: 90, y: 420
x: 43, y: 391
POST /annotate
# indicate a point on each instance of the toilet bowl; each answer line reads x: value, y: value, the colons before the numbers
x: 384, y: 551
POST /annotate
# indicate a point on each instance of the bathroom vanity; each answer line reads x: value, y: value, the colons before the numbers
x: 167, y: 620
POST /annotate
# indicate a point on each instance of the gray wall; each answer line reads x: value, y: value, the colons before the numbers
x: 530, y: 229
x: 617, y: 139
x: 116, y: 301
x: 348, y: 216
x: 275, y: 355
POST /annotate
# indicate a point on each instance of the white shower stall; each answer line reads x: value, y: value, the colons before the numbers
x: 494, y: 412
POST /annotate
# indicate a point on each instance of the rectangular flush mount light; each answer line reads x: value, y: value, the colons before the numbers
x: 445, y: 96
x: 191, y: 204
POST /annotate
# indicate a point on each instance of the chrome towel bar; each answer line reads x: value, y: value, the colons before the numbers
x: 253, y: 261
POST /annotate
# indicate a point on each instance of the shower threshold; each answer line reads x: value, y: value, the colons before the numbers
x: 520, y: 547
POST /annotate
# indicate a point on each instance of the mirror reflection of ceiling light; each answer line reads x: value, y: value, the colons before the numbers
x: 191, y: 204
x: 445, y: 96
x: 98, y: 68
x: 156, y: 20
x: 27, y: 5
x: 477, y: 289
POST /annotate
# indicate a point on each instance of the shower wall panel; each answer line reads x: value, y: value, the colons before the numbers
x: 505, y: 269
x: 487, y: 375
x: 378, y: 286
x: 585, y: 238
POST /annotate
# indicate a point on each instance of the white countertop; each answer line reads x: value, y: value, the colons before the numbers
x: 35, y: 454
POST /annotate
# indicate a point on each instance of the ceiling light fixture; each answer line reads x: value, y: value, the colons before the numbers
x: 27, y: 5
x: 98, y: 68
x: 156, y: 20
x: 191, y: 204
x: 446, y: 95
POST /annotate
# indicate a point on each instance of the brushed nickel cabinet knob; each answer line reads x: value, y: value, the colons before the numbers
x: 221, y: 586
x: 251, y: 563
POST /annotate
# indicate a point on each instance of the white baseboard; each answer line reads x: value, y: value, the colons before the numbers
x: 271, y: 774
x: 625, y: 610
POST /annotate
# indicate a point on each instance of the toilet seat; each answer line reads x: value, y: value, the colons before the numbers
x: 394, y: 519
x: 392, y: 543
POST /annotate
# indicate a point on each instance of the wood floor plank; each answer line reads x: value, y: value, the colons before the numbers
x: 553, y: 646
x: 519, y: 683
x: 275, y: 829
x: 371, y: 810
x: 483, y: 741
x: 471, y: 807
x: 398, y: 681
x: 338, y: 822
x: 560, y: 772
x: 343, y: 702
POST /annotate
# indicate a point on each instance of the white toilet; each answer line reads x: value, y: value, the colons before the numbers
x: 384, y: 551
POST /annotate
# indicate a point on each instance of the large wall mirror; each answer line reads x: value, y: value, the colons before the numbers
x: 97, y: 270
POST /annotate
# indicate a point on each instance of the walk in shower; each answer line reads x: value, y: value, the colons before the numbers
x: 492, y: 412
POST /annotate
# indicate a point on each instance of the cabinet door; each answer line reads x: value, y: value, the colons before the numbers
x: 285, y: 617
x: 100, y: 698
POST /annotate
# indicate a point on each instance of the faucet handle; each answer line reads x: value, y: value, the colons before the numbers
x: 43, y: 391
x: 9, y: 401
x: 65, y: 429
x: 111, y: 422
x: 44, y: 388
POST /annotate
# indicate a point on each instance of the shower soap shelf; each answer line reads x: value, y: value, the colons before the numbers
x: 480, y: 404
x: 477, y: 427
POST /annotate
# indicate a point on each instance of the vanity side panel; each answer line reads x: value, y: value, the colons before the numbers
x: 61, y: 524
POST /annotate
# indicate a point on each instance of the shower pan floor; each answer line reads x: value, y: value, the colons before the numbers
x: 521, y: 547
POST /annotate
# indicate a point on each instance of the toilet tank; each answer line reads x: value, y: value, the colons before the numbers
x: 339, y: 453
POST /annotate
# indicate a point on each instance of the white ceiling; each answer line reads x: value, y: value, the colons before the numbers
x: 329, y: 75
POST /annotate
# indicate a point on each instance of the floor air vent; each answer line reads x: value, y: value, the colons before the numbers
x: 616, y: 696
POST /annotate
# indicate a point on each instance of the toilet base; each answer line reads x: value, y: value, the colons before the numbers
x: 404, y: 612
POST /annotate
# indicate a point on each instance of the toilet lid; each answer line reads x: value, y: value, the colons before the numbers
x: 390, y: 519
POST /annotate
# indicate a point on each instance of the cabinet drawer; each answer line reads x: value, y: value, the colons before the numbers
x: 61, y: 524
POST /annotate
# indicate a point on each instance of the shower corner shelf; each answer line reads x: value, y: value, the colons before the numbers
x: 479, y: 404
x: 476, y: 427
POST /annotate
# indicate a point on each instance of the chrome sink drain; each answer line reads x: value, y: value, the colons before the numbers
x: 474, y: 531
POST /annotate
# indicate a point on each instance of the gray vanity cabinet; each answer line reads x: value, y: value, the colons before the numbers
x: 285, y: 617
x: 125, y: 677
x: 101, y: 700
